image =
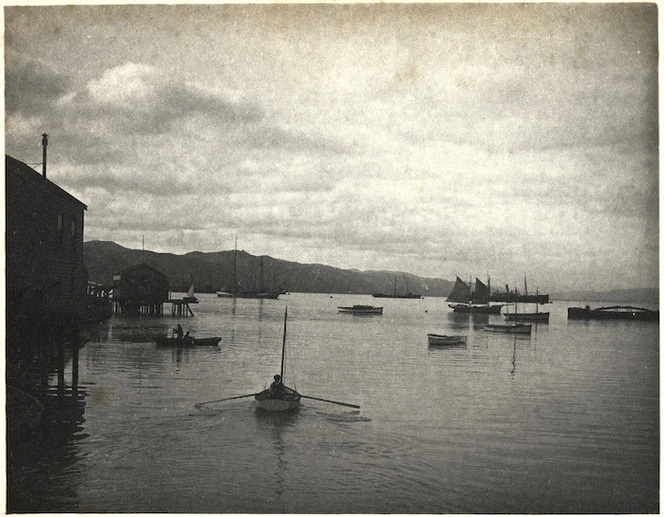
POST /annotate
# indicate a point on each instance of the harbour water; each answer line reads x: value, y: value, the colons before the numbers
x: 563, y: 421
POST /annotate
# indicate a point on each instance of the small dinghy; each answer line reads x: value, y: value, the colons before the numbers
x: 442, y: 340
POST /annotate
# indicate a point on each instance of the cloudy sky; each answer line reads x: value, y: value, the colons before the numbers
x: 437, y: 139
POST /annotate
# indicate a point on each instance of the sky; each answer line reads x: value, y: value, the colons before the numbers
x: 497, y: 140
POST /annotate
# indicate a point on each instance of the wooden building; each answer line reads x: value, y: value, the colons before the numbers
x: 45, y: 275
x: 140, y: 289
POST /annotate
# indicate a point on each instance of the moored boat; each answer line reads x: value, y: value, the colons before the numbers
x: 440, y: 339
x: 528, y: 316
x: 516, y: 328
x: 362, y: 309
x: 190, y: 298
x: 464, y: 300
x: 616, y: 312
x: 394, y: 294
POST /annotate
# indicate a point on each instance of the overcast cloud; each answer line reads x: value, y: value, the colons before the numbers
x: 469, y: 139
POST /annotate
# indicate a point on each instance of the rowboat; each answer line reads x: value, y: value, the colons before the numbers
x: 362, y: 309
x: 516, y: 328
x: 279, y: 397
x: 439, y: 339
x: 187, y: 341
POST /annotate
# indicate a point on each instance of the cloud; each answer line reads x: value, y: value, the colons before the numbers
x: 140, y: 98
x: 31, y: 85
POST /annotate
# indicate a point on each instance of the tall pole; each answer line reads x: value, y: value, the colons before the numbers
x: 44, y: 146
x: 235, y: 269
x: 283, y: 346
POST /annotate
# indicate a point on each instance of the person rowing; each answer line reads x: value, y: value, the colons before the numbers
x: 277, y: 385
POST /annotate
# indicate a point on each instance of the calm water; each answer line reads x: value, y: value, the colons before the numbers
x: 566, y: 420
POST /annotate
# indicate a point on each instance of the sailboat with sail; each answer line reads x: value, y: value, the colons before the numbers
x: 463, y: 299
x: 189, y: 297
x: 279, y: 397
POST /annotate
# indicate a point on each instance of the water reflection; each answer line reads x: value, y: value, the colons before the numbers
x: 275, y: 425
x: 44, y: 465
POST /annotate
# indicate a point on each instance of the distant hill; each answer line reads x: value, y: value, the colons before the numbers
x: 213, y: 272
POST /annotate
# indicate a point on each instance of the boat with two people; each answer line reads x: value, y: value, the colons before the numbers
x: 463, y: 299
x: 278, y: 397
x: 616, y: 312
x: 444, y: 340
x: 361, y: 309
x: 179, y: 339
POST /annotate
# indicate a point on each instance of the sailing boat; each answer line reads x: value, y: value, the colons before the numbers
x: 394, y: 294
x: 271, y: 294
x: 463, y: 300
x: 279, y: 397
x: 190, y: 298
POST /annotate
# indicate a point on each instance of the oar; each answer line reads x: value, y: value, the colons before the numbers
x: 330, y: 401
x: 227, y: 398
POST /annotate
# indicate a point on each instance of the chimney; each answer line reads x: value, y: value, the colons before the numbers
x: 44, y: 145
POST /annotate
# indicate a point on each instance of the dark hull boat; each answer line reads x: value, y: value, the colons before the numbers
x: 516, y: 328
x: 616, y: 312
x: 521, y: 298
x: 187, y: 341
x: 542, y: 317
x: 362, y: 309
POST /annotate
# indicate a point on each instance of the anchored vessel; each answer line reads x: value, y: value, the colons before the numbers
x: 616, y: 312
x: 478, y: 301
x: 440, y: 339
x: 362, y: 309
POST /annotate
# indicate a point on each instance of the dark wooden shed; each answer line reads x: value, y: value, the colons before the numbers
x: 46, y: 277
x: 140, y: 289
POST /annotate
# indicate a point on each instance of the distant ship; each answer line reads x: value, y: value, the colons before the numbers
x: 394, y: 294
x: 516, y: 297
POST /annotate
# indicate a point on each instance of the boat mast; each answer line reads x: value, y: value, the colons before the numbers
x: 235, y: 269
x: 283, y: 346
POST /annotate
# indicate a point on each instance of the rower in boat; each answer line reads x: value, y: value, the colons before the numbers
x: 279, y: 397
x: 277, y: 386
